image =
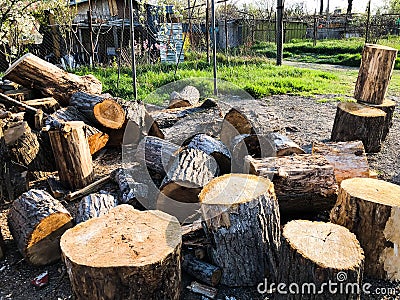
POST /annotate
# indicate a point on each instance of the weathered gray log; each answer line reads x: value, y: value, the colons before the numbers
x: 370, y: 208
x: 189, y: 96
x: 201, y: 270
x: 243, y: 221
x: 36, y: 222
x: 285, y: 146
x: 204, y: 290
x: 48, y: 105
x: 138, y: 252
x: 316, y: 254
x: 94, y: 206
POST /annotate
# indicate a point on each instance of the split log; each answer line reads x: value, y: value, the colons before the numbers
x: 348, y: 159
x: 12, y: 102
x: 189, y: 96
x: 242, y: 217
x: 201, y: 270
x: 138, y: 252
x: 285, y: 146
x: 2, y: 247
x: 315, y: 253
x: 99, y: 109
x: 235, y: 123
x: 56, y: 187
x: 388, y: 106
x: 370, y: 208
x: 72, y: 154
x: 94, y: 206
x: 303, y: 183
x: 376, y: 70
x: 357, y: 122
x: 33, y: 72
x: 37, y: 221
x: 48, y: 105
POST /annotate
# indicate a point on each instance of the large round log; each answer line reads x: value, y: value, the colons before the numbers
x: 315, y: 255
x: 36, y: 222
x: 138, y: 253
x: 235, y: 123
x: 31, y: 71
x: 243, y: 221
x: 370, y: 208
x: 375, y: 72
x: 358, y: 122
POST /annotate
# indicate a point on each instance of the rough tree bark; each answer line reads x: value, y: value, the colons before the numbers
x: 388, y: 106
x: 2, y: 247
x: 95, y: 205
x: 201, y: 270
x: 48, y: 105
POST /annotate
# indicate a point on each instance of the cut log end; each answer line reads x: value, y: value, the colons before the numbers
x: 109, y: 114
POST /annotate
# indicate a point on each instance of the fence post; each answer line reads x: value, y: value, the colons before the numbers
x: 368, y: 18
x: 279, y: 33
x: 214, y: 46
x: 315, y: 29
x: 132, y: 27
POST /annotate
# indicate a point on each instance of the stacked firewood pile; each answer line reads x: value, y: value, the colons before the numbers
x: 205, y: 187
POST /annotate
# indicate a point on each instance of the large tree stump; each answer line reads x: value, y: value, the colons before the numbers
x: 31, y: 71
x: 370, y: 208
x: 94, y: 206
x: 72, y: 154
x: 388, y: 106
x: 357, y: 122
x: 316, y: 253
x: 36, y: 222
x: 137, y: 252
x: 243, y: 221
x: 303, y: 183
x: 348, y: 158
x: 376, y: 70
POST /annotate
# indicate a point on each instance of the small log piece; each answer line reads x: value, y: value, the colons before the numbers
x: 138, y: 252
x: 33, y: 72
x: 189, y: 96
x: 36, y: 222
x: 348, y: 158
x: 285, y: 146
x: 235, y: 123
x: 358, y: 122
x: 48, y: 105
x: 316, y: 253
x: 94, y: 206
x: 376, y: 70
x: 201, y: 270
x: 370, y: 208
x: 72, y: 154
x: 243, y: 221
x: 303, y: 183
x: 388, y: 106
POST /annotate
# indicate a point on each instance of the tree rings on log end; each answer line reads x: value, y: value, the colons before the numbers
x: 109, y: 114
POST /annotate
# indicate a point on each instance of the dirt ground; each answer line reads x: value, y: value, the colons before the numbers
x: 304, y: 119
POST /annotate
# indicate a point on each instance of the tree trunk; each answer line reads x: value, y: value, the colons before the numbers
x: 370, y: 209
x: 48, y: 105
x: 242, y: 216
x: 94, y: 206
x: 303, y: 183
x: 312, y: 255
x: 31, y: 71
x: 189, y: 96
x: 348, y: 159
x: 201, y: 270
x: 138, y: 252
x: 99, y: 109
x: 388, y: 106
x: 285, y: 146
x: 72, y: 154
x: 37, y: 221
x: 357, y: 122
x: 376, y: 70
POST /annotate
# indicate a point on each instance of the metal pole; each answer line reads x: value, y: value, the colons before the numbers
x: 208, y: 31
x: 89, y: 15
x: 121, y: 44
x: 132, y: 27
x: 368, y: 19
x: 279, y: 33
x: 214, y: 34
x: 315, y: 29
x: 226, y: 31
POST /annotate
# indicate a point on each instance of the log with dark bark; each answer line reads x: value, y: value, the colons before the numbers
x: 388, y: 106
x: 94, y: 206
x: 316, y: 253
x: 348, y: 158
x: 375, y: 72
x: 2, y: 247
x: 72, y: 154
x: 21, y: 94
x: 49, y: 105
x: 201, y: 270
x: 303, y: 183
x: 189, y: 96
x: 138, y: 252
x: 370, y: 208
x: 37, y: 221
x: 243, y: 222
x: 358, y: 122
x: 33, y: 72
x: 202, y: 289
x: 100, y: 110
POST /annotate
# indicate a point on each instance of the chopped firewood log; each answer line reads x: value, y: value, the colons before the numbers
x: 138, y: 252
x: 285, y: 146
x: 213, y: 147
x: 348, y: 158
x: 201, y: 270
x: 388, y: 106
x: 315, y: 253
x: 2, y: 247
x: 376, y: 70
x: 189, y: 96
x: 20, y: 94
x: 303, y: 183
x: 100, y: 110
x: 370, y: 209
x: 37, y: 221
x: 240, y: 211
x: 56, y: 187
x: 72, y: 154
x: 207, y: 291
x: 94, y: 206
x: 49, y: 105
x: 358, y: 122
x: 9, y: 102
x: 235, y: 123
x: 33, y: 72
x: 90, y: 188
